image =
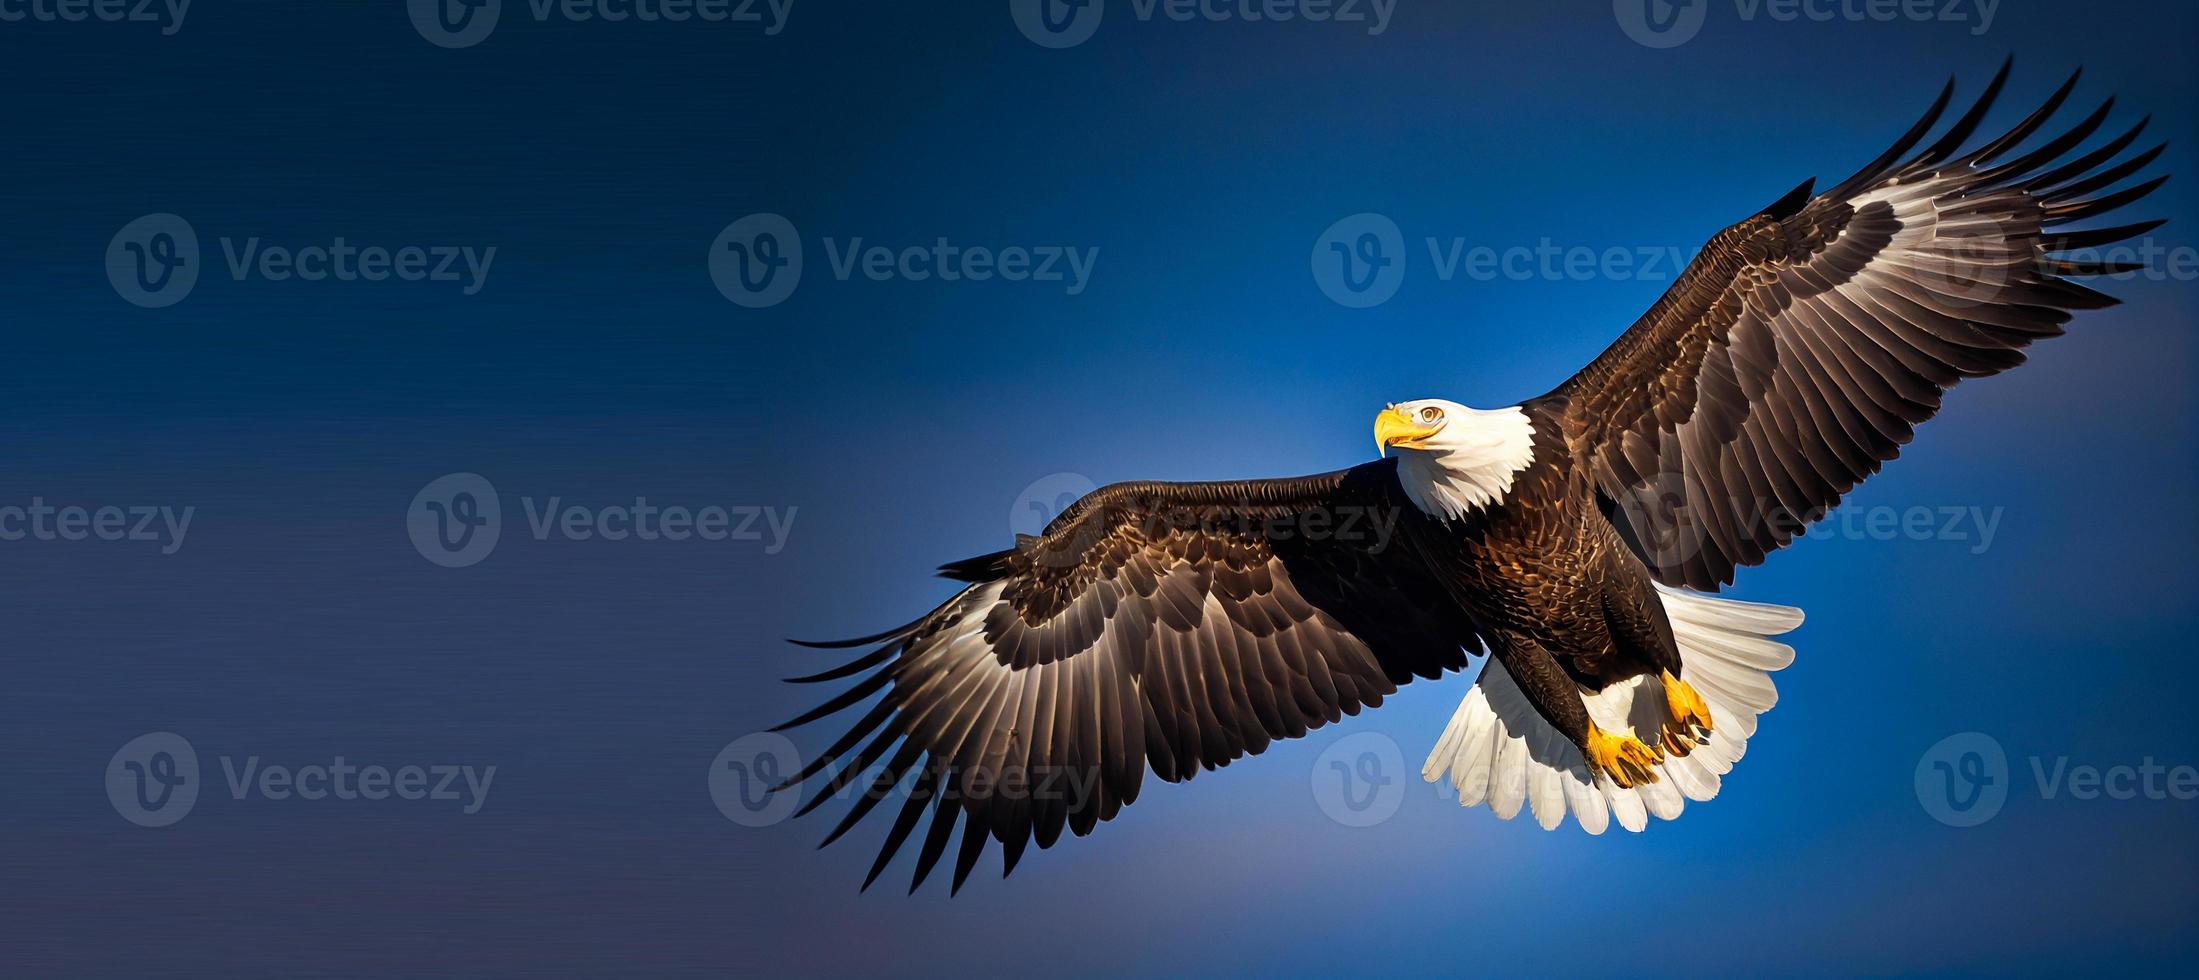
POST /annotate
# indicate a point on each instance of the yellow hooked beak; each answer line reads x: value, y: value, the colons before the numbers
x: 1395, y: 428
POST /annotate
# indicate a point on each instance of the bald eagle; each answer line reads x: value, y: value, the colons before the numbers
x: 1176, y: 627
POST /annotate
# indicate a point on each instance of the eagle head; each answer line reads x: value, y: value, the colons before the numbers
x: 1455, y: 459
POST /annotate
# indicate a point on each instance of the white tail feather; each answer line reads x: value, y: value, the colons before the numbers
x: 1498, y: 750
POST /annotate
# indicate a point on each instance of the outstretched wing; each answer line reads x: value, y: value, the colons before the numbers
x: 1170, y: 626
x: 1801, y: 347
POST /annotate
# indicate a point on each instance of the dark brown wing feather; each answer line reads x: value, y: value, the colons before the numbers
x: 1163, y: 626
x: 1802, y: 346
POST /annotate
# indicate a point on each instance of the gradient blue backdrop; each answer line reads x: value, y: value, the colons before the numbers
x: 903, y: 419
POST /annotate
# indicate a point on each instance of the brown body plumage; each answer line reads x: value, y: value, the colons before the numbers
x: 1545, y: 575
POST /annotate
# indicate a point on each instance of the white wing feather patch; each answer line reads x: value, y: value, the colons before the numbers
x: 1498, y: 750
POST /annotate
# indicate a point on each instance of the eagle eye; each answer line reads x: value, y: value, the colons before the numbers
x: 1429, y: 415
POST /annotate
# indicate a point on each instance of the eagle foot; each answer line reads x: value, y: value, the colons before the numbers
x: 1691, y: 724
x: 1624, y: 758
x: 1676, y: 742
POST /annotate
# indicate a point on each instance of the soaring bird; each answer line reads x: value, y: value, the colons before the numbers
x: 1574, y: 537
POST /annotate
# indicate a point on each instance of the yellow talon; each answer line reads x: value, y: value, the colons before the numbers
x: 1622, y: 757
x: 1690, y: 715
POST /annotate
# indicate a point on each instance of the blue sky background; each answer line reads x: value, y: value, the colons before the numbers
x: 902, y: 420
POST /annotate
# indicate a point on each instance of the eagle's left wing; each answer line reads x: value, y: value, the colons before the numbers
x: 1800, y: 348
x: 1165, y: 626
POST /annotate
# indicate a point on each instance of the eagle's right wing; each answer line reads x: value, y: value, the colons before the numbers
x: 1802, y: 346
x: 1170, y: 626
